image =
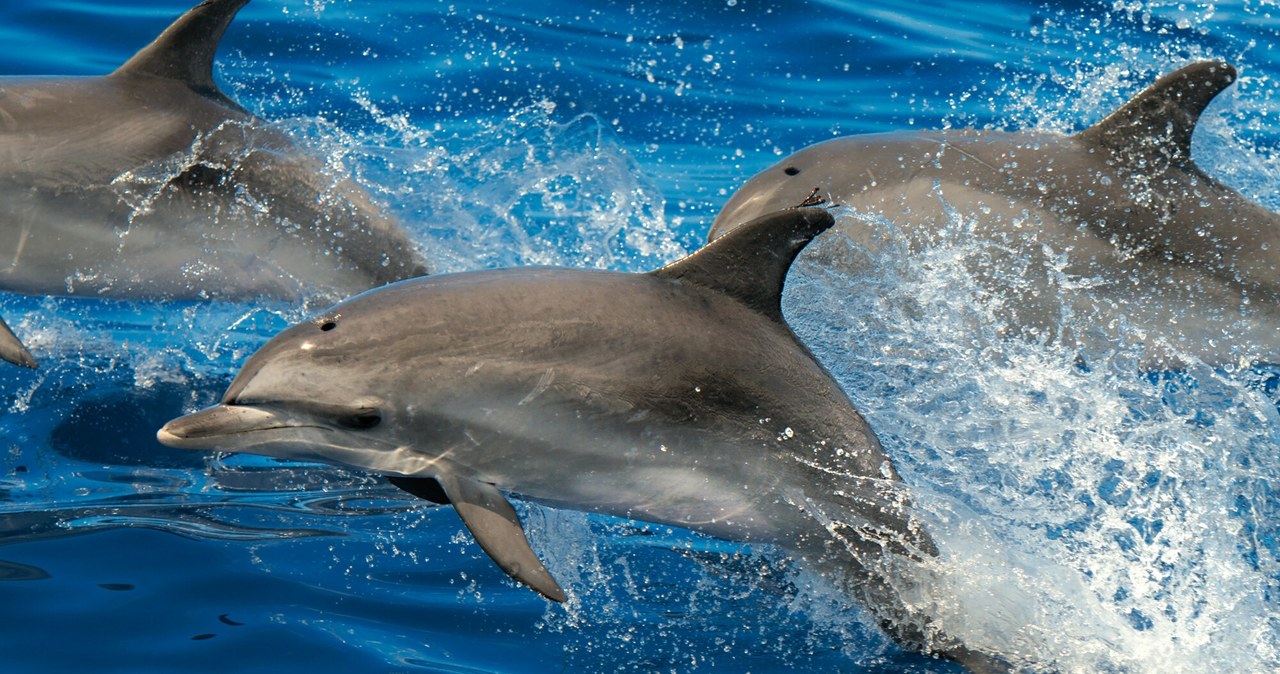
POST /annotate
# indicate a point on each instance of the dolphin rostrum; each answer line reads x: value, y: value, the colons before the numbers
x: 600, y: 391
x: 151, y: 183
x: 1147, y: 237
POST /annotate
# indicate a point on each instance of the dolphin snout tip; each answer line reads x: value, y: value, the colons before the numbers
x: 217, y: 427
x: 195, y: 430
x: 175, y: 434
x: 167, y: 437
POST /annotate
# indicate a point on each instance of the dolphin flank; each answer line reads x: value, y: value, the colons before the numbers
x: 599, y: 391
x: 151, y: 183
x: 1151, y: 242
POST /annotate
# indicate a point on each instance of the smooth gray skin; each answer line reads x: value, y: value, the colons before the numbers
x: 1184, y: 262
x: 151, y: 183
x: 599, y: 391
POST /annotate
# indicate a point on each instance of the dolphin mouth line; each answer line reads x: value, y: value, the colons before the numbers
x: 279, y: 427
x: 245, y: 431
x: 222, y: 423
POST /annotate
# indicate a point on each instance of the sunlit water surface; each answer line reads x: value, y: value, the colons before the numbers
x: 1092, y: 517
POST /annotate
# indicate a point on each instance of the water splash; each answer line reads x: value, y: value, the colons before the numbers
x: 533, y: 188
x: 1077, y: 503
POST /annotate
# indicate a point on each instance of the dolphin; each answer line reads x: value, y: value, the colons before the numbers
x: 600, y: 391
x: 151, y: 183
x: 1183, y: 261
x: 12, y: 350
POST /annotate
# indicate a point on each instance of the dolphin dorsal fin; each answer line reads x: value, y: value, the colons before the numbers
x: 750, y: 262
x: 1162, y: 118
x: 185, y: 50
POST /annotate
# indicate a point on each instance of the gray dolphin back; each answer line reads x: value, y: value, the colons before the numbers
x: 1191, y: 265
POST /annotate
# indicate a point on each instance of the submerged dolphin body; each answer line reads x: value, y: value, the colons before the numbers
x: 1152, y: 246
x: 600, y: 391
x: 151, y: 183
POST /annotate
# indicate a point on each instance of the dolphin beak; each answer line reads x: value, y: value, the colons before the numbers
x: 212, y: 428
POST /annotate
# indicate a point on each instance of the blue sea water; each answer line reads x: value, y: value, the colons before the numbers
x: 1092, y: 519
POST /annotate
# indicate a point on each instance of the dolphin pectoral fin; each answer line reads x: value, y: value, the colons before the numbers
x: 423, y: 487
x: 750, y: 263
x: 496, y: 527
x: 12, y: 350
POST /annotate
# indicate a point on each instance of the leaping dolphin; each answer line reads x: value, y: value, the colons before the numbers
x: 1147, y: 236
x: 151, y: 183
x: 600, y: 391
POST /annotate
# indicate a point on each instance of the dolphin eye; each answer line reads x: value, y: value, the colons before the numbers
x: 791, y: 171
x: 328, y: 325
x: 361, y: 421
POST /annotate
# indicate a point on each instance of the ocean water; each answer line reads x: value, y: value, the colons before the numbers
x: 1092, y: 519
